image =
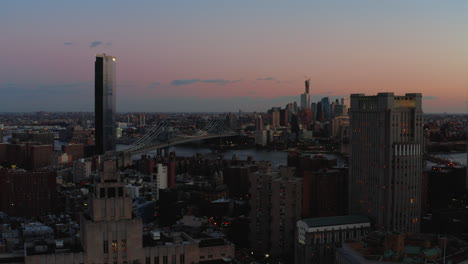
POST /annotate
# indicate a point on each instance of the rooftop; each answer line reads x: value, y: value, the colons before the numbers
x: 336, y: 220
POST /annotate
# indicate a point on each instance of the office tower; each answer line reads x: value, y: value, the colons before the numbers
x: 313, y: 108
x: 305, y: 97
x: 284, y: 117
x: 332, y: 110
x: 274, y: 115
x: 104, y: 103
x: 259, y: 123
x: 386, y: 159
x: 320, y: 115
x: 326, y: 109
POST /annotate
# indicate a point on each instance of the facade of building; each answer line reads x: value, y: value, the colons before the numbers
x: 286, y: 198
x: 104, y: 103
x: 158, y: 180
x: 260, y: 202
x: 275, y: 206
x: 25, y: 193
x: 76, y: 151
x: 274, y: 116
x: 386, y: 159
x: 325, y: 192
x: 317, y: 238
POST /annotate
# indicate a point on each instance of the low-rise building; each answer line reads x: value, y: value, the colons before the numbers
x: 317, y: 238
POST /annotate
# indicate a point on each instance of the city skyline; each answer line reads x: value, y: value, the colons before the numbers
x: 220, y: 57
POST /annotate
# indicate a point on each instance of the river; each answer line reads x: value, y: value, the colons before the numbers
x: 277, y: 158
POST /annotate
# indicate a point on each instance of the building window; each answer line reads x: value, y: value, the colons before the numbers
x: 174, y: 260
x: 202, y: 257
x: 210, y: 256
x: 102, y: 192
x: 115, y: 246
x: 164, y: 259
x: 120, y: 191
x: 148, y: 260
x: 156, y: 260
x: 182, y: 259
x: 111, y: 192
x: 105, y: 246
x: 124, y: 245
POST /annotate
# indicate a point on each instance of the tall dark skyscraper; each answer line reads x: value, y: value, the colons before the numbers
x: 385, y: 172
x: 104, y: 103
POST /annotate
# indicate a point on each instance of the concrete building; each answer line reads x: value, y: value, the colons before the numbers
x: 260, y: 200
x: 317, y: 238
x: 104, y: 103
x: 275, y: 207
x: 158, y: 180
x: 81, y: 170
x: 386, y: 159
x: 286, y: 198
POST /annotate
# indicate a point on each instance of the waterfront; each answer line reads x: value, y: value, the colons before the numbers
x: 277, y: 158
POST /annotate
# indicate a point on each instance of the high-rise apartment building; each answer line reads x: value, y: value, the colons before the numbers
x: 104, y: 103
x: 275, y: 207
x: 386, y: 159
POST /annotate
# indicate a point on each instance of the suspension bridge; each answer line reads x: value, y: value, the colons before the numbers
x: 166, y: 134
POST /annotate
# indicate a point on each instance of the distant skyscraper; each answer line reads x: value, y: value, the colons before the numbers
x: 326, y: 108
x: 313, y: 107
x: 386, y: 159
x: 104, y: 103
x: 305, y: 97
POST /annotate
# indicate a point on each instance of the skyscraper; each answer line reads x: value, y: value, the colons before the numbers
x: 326, y: 108
x: 305, y: 97
x: 104, y: 103
x: 386, y: 159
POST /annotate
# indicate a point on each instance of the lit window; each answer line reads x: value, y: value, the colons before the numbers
x: 124, y: 245
x: 115, y: 246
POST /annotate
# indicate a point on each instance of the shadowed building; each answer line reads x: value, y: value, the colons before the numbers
x: 385, y: 172
x: 104, y: 103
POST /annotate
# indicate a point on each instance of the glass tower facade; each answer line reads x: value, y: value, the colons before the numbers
x: 104, y: 103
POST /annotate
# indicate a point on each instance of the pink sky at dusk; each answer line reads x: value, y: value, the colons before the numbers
x: 367, y: 47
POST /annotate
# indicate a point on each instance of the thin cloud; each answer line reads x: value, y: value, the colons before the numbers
x: 192, y: 81
x: 95, y: 44
x: 154, y: 85
x: 109, y: 44
x: 430, y: 97
x: 68, y: 43
x: 266, y: 79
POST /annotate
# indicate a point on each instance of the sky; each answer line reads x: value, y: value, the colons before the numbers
x: 215, y: 55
